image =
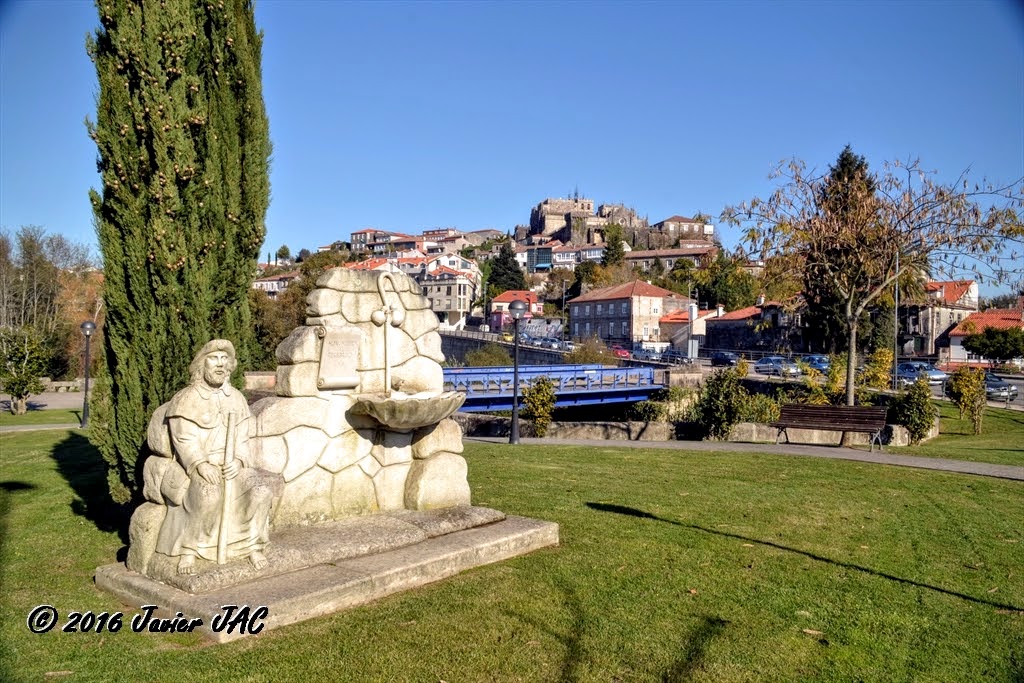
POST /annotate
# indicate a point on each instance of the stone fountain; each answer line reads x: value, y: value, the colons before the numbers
x: 371, y: 490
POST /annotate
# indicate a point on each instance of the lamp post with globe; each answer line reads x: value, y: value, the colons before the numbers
x: 88, y: 327
x: 516, y: 309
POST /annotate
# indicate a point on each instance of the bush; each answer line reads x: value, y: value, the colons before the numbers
x: 758, y: 408
x: 877, y: 371
x: 538, y: 403
x: 648, y: 411
x: 915, y: 410
x: 488, y: 355
x: 719, y: 405
x: 967, y: 389
x: 590, y: 351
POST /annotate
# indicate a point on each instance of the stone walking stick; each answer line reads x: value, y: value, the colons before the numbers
x: 229, y: 486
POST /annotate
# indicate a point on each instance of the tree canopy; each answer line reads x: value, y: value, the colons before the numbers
x: 505, y: 271
x: 996, y: 344
x: 614, y: 248
x: 860, y: 240
x: 184, y: 145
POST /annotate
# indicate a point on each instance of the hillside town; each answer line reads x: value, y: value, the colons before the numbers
x: 635, y: 311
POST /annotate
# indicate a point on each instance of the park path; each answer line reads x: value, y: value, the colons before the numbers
x: 71, y: 400
x: 836, y: 453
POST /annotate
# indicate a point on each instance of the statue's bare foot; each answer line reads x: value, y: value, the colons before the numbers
x: 258, y: 560
x: 186, y: 564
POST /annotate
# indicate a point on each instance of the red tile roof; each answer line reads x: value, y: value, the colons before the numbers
x: 999, y: 318
x: 368, y: 264
x: 950, y: 292
x: 682, y: 316
x: 445, y: 270
x: 513, y: 294
x: 741, y: 314
x: 626, y: 291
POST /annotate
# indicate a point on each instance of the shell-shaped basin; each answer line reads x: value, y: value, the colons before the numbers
x: 408, y: 411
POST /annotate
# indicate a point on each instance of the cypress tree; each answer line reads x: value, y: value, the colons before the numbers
x: 615, y: 248
x: 505, y: 271
x: 184, y: 150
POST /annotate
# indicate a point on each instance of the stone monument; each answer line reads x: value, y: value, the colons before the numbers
x: 352, y: 471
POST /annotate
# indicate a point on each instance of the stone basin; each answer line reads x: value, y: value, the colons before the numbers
x: 408, y: 411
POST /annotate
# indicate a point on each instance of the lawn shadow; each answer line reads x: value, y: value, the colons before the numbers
x: 571, y: 640
x: 8, y: 489
x: 696, y: 646
x: 633, y: 512
x: 82, y: 466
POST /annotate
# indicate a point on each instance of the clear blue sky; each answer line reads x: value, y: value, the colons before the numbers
x: 406, y: 116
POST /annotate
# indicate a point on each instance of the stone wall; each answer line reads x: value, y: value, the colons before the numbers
x: 493, y: 426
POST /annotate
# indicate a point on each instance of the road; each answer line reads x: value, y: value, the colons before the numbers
x: 50, y: 400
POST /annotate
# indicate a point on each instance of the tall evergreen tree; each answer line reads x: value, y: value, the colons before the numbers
x: 184, y: 150
x: 614, y: 248
x: 826, y: 323
x: 505, y: 271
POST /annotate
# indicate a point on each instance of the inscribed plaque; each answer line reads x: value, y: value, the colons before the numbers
x: 339, y: 357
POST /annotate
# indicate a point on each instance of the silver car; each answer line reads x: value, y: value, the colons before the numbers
x: 777, y: 365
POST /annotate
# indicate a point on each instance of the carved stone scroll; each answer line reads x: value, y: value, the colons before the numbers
x: 339, y: 358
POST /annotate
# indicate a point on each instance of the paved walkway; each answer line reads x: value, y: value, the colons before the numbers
x: 73, y: 400
x: 836, y: 453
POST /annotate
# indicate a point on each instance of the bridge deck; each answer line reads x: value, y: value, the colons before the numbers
x: 490, y: 388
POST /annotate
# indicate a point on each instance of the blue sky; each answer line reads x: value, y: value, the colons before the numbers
x: 406, y: 116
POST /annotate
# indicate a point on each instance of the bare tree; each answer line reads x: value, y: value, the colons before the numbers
x: 910, y: 222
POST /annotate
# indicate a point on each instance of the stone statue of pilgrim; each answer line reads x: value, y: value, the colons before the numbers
x: 197, y: 419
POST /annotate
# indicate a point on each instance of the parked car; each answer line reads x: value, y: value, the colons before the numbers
x: 724, y: 358
x: 507, y: 336
x: 620, y: 352
x: 675, y: 357
x: 777, y: 365
x: 647, y: 354
x: 998, y: 389
x: 908, y: 372
x: 818, y: 362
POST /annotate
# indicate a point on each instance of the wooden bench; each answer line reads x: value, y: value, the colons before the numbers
x: 867, y: 419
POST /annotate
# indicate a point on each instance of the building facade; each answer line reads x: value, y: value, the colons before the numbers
x: 625, y: 314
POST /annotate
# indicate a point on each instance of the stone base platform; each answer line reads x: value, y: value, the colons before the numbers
x: 348, y: 565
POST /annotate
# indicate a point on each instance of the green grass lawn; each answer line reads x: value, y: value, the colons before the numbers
x: 674, y: 566
x: 1001, y: 441
x: 55, y: 416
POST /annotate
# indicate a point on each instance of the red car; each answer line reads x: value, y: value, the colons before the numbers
x: 620, y: 352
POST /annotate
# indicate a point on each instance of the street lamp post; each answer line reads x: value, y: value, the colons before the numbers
x: 896, y: 325
x: 88, y: 327
x: 516, y: 309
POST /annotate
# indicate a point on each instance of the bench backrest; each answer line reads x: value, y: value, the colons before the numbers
x: 867, y: 417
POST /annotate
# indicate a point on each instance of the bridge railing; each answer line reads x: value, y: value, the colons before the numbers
x: 566, y: 378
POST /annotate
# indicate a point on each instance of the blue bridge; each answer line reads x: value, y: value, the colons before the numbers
x: 490, y: 388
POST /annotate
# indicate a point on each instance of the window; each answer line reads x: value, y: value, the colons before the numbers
x: 586, y: 310
x: 625, y: 308
x: 575, y: 329
x: 586, y: 329
x: 600, y: 309
x: 625, y: 328
x: 654, y: 309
